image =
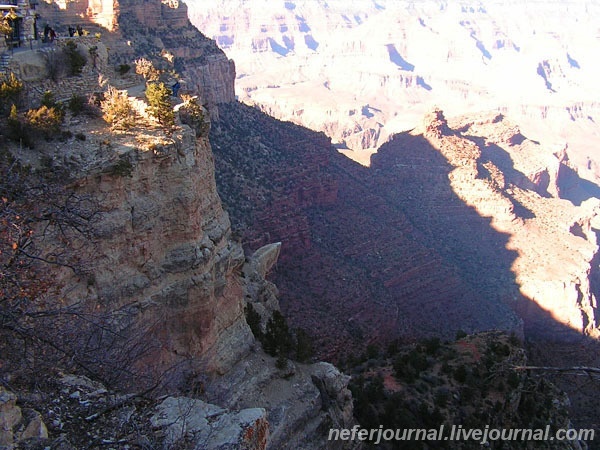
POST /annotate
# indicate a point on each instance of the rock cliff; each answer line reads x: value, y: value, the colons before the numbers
x: 156, y: 30
x: 156, y: 286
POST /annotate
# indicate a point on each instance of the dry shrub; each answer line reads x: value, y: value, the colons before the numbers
x: 117, y: 109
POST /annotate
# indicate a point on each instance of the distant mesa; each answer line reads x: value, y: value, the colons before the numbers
x: 290, y: 5
x: 397, y: 59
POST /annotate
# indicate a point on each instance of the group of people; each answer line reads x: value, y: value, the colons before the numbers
x: 72, y: 31
x: 50, y: 34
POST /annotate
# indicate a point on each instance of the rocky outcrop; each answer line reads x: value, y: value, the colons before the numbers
x: 205, y: 69
x: 156, y: 30
x: 18, y: 425
x: 210, y: 427
x: 162, y: 257
x: 302, y: 401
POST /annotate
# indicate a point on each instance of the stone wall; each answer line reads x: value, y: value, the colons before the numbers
x: 35, y: 68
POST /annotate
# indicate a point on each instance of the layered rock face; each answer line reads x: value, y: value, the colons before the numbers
x: 161, y: 257
x: 361, y: 71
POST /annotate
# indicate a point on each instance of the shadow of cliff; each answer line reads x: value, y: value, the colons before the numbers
x: 386, y: 251
x: 383, y: 252
x: 574, y: 188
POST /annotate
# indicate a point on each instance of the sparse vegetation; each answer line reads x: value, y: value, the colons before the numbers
x: 11, y: 89
x: 117, y: 109
x: 5, y: 28
x: 77, y: 104
x: 45, y: 121
x: 436, y: 383
x: 16, y: 129
x: 278, y: 340
x: 145, y: 68
x: 75, y: 59
x: 191, y: 113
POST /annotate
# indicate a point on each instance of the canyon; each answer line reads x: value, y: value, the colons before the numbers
x: 362, y: 71
x: 499, y: 205
x: 453, y: 226
x: 460, y: 221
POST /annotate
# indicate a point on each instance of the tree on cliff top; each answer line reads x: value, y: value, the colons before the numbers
x: 159, y: 104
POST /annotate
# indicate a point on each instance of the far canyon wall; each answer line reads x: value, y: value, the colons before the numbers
x: 361, y: 71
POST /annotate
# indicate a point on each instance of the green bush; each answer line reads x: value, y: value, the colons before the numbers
x: 17, y: 130
x: 159, y: 104
x: 123, y: 69
x: 50, y: 102
x: 48, y: 99
x: 75, y: 60
x: 277, y: 339
x: 45, y: 121
x: 10, y: 91
x: 253, y: 320
x: 77, y: 104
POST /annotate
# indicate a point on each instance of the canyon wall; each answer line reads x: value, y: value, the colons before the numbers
x: 454, y: 226
x: 362, y: 71
x: 160, y: 275
x: 164, y: 256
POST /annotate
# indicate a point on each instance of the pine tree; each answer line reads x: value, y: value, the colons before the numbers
x: 159, y: 104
